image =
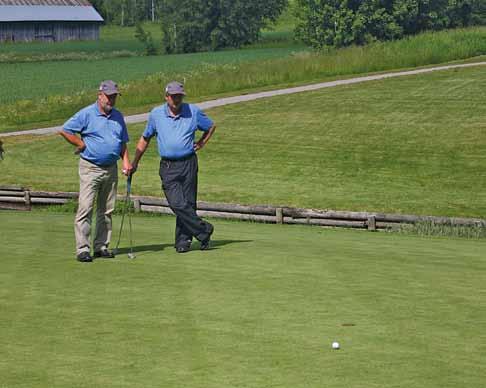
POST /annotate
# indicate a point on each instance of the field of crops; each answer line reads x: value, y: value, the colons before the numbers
x: 38, y: 80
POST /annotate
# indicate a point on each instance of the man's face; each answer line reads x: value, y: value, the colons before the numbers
x: 107, y: 102
x: 174, y: 101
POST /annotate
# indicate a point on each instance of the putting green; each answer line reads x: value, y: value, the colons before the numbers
x: 261, y: 309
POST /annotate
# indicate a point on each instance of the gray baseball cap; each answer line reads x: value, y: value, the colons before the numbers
x: 109, y: 87
x: 175, y: 87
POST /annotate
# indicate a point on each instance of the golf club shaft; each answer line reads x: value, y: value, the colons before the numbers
x: 129, y: 190
x: 125, y: 208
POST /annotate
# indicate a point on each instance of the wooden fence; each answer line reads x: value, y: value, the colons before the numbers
x: 19, y: 198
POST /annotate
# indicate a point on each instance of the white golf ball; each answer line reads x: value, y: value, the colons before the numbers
x: 335, y: 345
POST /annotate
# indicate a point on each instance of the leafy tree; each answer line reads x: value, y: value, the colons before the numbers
x: 146, y: 38
x: 342, y: 23
x: 127, y: 12
x: 196, y: 25
x: 478, y: 16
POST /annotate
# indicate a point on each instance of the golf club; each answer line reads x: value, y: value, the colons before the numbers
x: 126, y: 208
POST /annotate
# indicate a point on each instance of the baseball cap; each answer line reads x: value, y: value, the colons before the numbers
x: 175, y: 87
x: 109, y: 87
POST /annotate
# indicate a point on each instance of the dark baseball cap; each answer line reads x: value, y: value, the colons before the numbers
x: 175, y: 87
x: 109, y: 87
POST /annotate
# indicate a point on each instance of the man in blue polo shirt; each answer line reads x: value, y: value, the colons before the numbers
x: 101, y: 142
x: 175, y: 124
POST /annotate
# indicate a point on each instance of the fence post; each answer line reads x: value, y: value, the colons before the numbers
x: 279, y: 215
x: 137, y: 206
x: 27, y: 198
x: 371, y: 223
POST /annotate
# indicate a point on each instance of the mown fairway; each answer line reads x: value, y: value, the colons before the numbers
x: 261, y: 309
x: 409, y: 145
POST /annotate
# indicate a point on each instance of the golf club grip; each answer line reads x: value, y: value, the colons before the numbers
x: 129, y: 183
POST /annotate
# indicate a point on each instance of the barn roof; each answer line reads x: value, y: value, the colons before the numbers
x: 47, y: 10
x: 46, y: 2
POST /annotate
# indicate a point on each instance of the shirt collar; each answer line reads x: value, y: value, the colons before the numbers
x: 98, y: 112
x: 168, y: 113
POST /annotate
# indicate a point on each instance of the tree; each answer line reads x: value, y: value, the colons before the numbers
x: 127, y: 12
x: 196, y: 25
x: 342, y: 23
x: 146, y: 38
x: 478, y: 16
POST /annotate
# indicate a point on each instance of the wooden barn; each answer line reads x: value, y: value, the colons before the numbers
x: 48, y: 20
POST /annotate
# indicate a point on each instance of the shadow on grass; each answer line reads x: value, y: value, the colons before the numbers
x: 144, y: 248
x: 215, y: 244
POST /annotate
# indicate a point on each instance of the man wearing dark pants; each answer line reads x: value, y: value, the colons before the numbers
x: 100, y: 136
x: 174, y: 124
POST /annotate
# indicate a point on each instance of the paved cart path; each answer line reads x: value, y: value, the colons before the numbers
x: 255, y: 96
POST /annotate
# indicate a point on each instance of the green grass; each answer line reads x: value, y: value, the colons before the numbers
x: 408, y: 145
x: 259, y: 310
x: 223, y: 73
x: 40, y: 80
x: 282, y: 30
x: 114, y: 41
x: 117, y: 41
x: 427, y: 228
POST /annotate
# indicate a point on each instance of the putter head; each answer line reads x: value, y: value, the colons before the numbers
x: 131, y: 255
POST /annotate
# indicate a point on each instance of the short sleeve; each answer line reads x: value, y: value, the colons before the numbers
x: 204, y: 123
x: 150, y: 129
x: 125, y: 137
x: 77, y: 123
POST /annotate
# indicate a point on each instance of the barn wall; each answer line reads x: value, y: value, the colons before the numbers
x: 48, y: 31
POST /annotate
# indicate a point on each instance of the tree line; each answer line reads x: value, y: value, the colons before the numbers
x: 197, y: 25
x: 127, y: 12
x: 341, y: 23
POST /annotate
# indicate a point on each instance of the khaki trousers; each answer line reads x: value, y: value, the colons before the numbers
x: 100, y: 183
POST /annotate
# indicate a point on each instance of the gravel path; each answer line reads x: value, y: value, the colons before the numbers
x: 255, y: 96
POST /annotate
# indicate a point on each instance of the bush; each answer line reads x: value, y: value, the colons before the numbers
x: 343, y: 23
x: 146, y: 38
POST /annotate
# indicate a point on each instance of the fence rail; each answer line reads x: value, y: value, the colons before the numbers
x: 20, y: 198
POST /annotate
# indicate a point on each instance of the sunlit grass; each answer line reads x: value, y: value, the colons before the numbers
x: 210, y: 74
x: 261, y: 309
x: 412, y: 145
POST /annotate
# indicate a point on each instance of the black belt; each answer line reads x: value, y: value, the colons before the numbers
x: 187, y: 157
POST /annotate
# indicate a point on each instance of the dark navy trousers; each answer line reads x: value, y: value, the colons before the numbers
x: 179, y: 182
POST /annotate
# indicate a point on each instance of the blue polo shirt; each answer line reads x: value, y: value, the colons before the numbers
x: 175, y: 134
x: 103, y: 135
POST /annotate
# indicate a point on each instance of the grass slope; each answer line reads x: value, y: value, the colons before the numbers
x: 259, y: 310
x: 409, y: 145
x: 224, y: 73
